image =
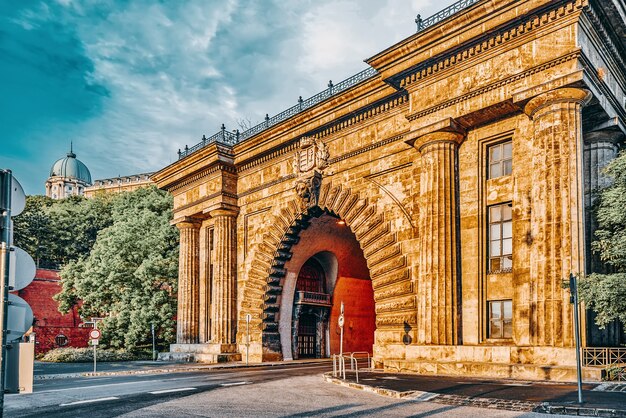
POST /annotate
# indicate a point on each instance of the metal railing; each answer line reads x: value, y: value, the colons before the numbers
x: 232, y: 138
x: 443, y: 14
x: 604, y: 356
x: 339, y: 364
x: 312, y: 298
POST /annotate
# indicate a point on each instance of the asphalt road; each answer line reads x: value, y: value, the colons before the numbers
x: 295, y: 390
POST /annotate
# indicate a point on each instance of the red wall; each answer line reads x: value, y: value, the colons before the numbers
x: 360, y: 318
x: 49, y: 322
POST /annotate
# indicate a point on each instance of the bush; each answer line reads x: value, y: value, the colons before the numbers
x: 615, y: 373
x: 83, y: 355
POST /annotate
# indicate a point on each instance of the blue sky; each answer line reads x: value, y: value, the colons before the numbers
x: 130, y: 82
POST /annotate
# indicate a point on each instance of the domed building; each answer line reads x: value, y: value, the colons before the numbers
x: 68, y: 177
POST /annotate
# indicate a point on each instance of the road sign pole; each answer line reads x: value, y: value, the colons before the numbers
x: 341, y: 321
x: 154, y: 356
x: 95, y: 344
x: 6, y: 180
x: 248, y: 318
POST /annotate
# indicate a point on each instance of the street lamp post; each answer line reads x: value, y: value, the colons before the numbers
x: 573, y: 287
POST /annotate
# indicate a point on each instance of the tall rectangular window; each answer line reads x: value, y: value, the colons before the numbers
x: 500, y: 238
x: 500, y: 159
x: 501, y: 319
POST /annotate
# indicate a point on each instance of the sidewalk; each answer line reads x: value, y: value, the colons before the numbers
x: 605, y: 400
x: 45, y: 370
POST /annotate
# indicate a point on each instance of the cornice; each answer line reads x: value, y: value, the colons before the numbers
x: 485, y: 43
x: 605, y: 37
x: 495, y: 85
x: 200, y: 175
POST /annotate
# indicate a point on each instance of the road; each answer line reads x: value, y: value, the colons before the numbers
x: 295, y: 390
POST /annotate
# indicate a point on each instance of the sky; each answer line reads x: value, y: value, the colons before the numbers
x: 129, y: 82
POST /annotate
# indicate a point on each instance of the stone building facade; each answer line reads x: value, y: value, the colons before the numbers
x: 119, y: 184
x: 442, y: 195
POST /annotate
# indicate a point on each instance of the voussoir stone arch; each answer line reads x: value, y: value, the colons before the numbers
x: 394, y: 294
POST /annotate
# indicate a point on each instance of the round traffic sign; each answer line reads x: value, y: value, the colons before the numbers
x: 94, y: 334
x: 19, y: 317
x: 340, y: 320
x: 18, y: 198
x: 22, y: 269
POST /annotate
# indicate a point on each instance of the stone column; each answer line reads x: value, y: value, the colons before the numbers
x: 438, y: 232
x: 188, y: 281
x: 600, y: 148
x: 224, y: 289
x: 557, y: 223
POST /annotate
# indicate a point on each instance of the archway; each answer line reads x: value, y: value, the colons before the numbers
x: 385, y: 259
x: 326, y: 268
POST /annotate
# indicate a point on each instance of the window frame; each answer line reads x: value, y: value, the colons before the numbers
x: 501, y: 162
x: 502, y: 320
x: 504, y: 236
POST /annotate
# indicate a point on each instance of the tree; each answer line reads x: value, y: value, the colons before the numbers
x: 58, y: 231
x: 130, y: 276
x: 32, y: 230
x: 606, y: 293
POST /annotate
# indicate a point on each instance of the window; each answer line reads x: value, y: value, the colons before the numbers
x: 500, y: 159
x: 500, y: 238
x: 61, y: 340
x: 501, y: 319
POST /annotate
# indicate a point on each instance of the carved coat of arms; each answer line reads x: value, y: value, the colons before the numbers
x: 310, y: 161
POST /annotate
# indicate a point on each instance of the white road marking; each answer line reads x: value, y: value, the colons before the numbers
x: 158, y: 392
x: 224, y: 385
x: 94, y: 386
x: 110, y: 398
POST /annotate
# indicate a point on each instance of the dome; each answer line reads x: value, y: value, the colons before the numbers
x: 70, y: 167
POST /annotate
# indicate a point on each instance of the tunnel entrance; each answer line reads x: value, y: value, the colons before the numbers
x: 327, y: 268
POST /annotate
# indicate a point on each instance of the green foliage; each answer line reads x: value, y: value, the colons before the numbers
x: 606, y: 293
x: 615, y: 373
x: 58, y: 231
x: 130, y: 276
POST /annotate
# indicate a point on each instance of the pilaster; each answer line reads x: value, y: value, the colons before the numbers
x: 224, y: 287
x: 205, y: 280
x: 438, y: 282
x: 188, y: 282
x: 556, y: 236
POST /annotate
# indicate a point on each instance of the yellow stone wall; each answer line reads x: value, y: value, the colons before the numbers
x: 407, y: 160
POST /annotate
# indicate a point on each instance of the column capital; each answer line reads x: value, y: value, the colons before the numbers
x: 446, y: 130
x: 604, y: 135
x: 222, y: 210
x: 563, y: 95
x: 186, y: 222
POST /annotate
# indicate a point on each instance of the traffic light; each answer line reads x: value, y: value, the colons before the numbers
x: 17, y: 270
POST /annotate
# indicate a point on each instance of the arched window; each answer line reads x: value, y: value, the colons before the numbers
x: 311, y: 277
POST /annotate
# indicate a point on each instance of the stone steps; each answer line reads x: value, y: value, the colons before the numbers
x: 494, y: 370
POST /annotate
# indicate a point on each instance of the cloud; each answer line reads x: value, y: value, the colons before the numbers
x: 130, y: 82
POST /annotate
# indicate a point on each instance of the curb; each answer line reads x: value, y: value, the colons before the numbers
x: 490, y: 403
x: 170, y: 370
